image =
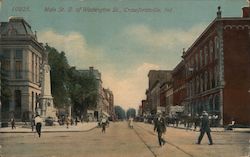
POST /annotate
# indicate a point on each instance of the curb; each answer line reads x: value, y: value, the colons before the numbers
x: 49, y: 131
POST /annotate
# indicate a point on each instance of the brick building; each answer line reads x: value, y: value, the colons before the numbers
x: 217, y: 70
x: 156, y: 94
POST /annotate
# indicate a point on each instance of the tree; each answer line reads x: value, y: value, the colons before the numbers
x: 69, y: 86
x: 59, y: 77
x: 131, y: 112
x: 83, y: 91
x: 120, y: 112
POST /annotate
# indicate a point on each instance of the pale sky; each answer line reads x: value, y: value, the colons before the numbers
x: 122, y: 45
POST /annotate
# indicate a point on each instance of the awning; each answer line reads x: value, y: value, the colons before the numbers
x: 105, y: 113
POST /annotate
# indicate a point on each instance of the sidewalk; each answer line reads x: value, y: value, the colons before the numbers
x: 81, y: 127
x: 213, y: 129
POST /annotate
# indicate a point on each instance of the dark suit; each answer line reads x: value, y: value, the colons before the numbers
x: 205, y: 129
x: 160, y: 127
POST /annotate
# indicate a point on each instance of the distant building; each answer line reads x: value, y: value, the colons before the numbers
x: 105, y: 97
x: 145, y: 107
x: 108, y: 106
x: 217, y: 70
x: 156, y: 79
x: 22, y: 60
x: 179, y: 89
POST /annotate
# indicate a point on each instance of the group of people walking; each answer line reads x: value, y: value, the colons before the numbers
x: 160, y: 127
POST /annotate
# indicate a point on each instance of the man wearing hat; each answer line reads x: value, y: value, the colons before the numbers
x: 160, y: 127
x: 204, y: 128
x: 38, y: 122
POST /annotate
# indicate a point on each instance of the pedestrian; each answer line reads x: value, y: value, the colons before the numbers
x: 13, y: 123
x: 32, y: 123
x: 196, y: 121
x: 71, y: 121
x: 204, y: 128
x: 103, y: 124
x: 76, y: 121
x: 38, y: 122
x: 67, y: 121
x: 160, y: 127
x: 131, y: 122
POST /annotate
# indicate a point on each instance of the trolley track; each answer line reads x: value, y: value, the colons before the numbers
x: 168, y: 142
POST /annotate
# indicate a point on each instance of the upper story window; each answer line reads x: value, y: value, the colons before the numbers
x: 201, y: 83
x: 197, y: 84
x: 201, y: 58
x: 206, y: 55
x: 19, y: 54
x: 18, y: 63
x: 211, y: 50
x: 216, y: 43
x: 206, y: 81
x: 197, y: 60
x: 6, y: 61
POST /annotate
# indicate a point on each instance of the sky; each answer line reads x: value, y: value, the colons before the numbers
x: 123, y: 39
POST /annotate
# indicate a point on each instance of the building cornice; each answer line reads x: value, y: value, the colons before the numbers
x: 216, y: 20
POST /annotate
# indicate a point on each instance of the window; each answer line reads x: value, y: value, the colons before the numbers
x: 36, y: 69
x: 197, y: 84
x: 18, y: 69
x: 201, y: 61
x: 19, y: 54
x: 211, y: 79
x: 201, y: 83
x: 197, y: 60
x: 18, y: 63
x: 32, y: 67
x: 216, y: 76
x: 211, y: 50
x: 216, y: 43
x: 206, y: 55
x: 18, y: 102
x: 6, y: 62
x: 205, y: 81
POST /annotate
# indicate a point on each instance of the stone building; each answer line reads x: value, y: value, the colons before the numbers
x: 105, y: 97
x: 109, y: 97
x: 22, y: 60
x: 217, y: 69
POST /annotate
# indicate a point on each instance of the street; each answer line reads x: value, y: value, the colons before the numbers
x: 122, y: 141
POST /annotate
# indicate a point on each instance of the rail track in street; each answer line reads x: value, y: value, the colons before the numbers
x: 154, y: 134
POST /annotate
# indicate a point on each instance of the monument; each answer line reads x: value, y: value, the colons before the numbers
x: 46, y: 104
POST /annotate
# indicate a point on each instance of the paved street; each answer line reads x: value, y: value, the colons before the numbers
x: 121, y: 141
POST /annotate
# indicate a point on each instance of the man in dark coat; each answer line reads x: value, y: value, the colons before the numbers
x: 38, y: 122
x: 205, y: 128
x: 160, y: 127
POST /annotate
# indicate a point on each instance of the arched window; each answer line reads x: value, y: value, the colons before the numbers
x: 205, y: 81
x: 211, y: 50
x: 216, y: 103
x: 201, y: 83
x: 197, y: 60
x: 197, y: 84
x: 216, y: 75
x: 216, y: 43
x: 206, y: 55
x: 201, y: 59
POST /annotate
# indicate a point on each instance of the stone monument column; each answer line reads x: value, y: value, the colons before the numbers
x: 46, y: 99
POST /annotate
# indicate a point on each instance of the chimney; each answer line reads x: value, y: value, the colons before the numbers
x: 246, y: 12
